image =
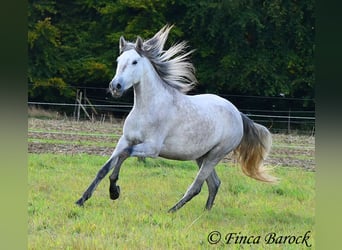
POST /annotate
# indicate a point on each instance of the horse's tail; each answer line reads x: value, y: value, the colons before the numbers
x: 253, y: 150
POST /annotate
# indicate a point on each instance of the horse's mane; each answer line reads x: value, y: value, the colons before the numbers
x: 171, y: 65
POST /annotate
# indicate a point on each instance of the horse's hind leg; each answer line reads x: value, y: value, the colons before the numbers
x: 204, y: 172
x: 213, y: 183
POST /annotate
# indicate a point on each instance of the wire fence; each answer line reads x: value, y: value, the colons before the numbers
x: 278, y: 121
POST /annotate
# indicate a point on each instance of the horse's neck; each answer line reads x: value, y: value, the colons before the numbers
x: 150, y: 93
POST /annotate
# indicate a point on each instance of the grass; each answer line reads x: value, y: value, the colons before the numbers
x: 79, y: 142
x: 296, y: 156
x: 139, y: 218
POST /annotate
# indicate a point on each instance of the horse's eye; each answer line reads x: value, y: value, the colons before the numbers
x: 134, y: 62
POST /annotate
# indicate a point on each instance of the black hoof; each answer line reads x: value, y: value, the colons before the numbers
x: 79, y: 202
x: 114, y: 192
x: 173, y: 209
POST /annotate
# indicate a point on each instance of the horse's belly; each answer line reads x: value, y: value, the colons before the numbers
x: 186, y: 148
x: 181, y: 155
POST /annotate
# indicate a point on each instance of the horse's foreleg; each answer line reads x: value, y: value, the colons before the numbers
x: 114, y: 190
x: 100, y: 175
x: 138, y: 150
x: 113, y: 161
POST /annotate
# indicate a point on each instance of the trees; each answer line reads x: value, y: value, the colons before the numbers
x: 242, y: 47
x: 254, y: 47
x: 44, y: 54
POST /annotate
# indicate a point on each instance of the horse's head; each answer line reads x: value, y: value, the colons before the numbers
x: 170, y: 65
x: 129, y: 68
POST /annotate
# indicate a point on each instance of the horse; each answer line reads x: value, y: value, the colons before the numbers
x: 167, y: 122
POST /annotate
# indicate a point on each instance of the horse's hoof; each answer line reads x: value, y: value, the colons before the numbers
x: 114, y: 192
x: 80, y: 202
x: 172, y: 210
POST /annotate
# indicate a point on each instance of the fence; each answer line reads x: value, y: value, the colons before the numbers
x: 278, y: 121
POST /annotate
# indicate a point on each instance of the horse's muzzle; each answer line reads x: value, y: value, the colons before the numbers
x: 116, y: 88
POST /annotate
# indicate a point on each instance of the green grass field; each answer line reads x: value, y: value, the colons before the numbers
x: 139, y: 218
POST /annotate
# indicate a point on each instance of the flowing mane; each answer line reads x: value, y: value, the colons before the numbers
x: 171, y: 65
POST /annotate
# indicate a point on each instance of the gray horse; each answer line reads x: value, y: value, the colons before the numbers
x: 168, y: 123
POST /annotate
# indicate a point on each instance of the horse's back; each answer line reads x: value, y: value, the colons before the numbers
x: 203, y: 122
x: 213, y: 101
x: 221, y: 112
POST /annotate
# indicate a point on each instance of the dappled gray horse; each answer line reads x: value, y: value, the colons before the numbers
x: 168, y: 123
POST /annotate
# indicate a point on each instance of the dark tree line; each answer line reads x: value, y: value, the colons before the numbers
x: 243, y: 47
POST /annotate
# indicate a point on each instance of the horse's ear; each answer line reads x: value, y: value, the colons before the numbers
x: 122, y: 44
x: 139, y: 43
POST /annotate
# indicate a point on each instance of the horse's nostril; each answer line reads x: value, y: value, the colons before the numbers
x: 118, y: 86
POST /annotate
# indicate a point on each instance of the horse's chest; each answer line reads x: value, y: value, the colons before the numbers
x: 138, y: 129
x: 133, y: 133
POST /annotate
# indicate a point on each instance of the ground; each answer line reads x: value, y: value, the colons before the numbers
x: 70, y: 137
x: 65, y: 155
